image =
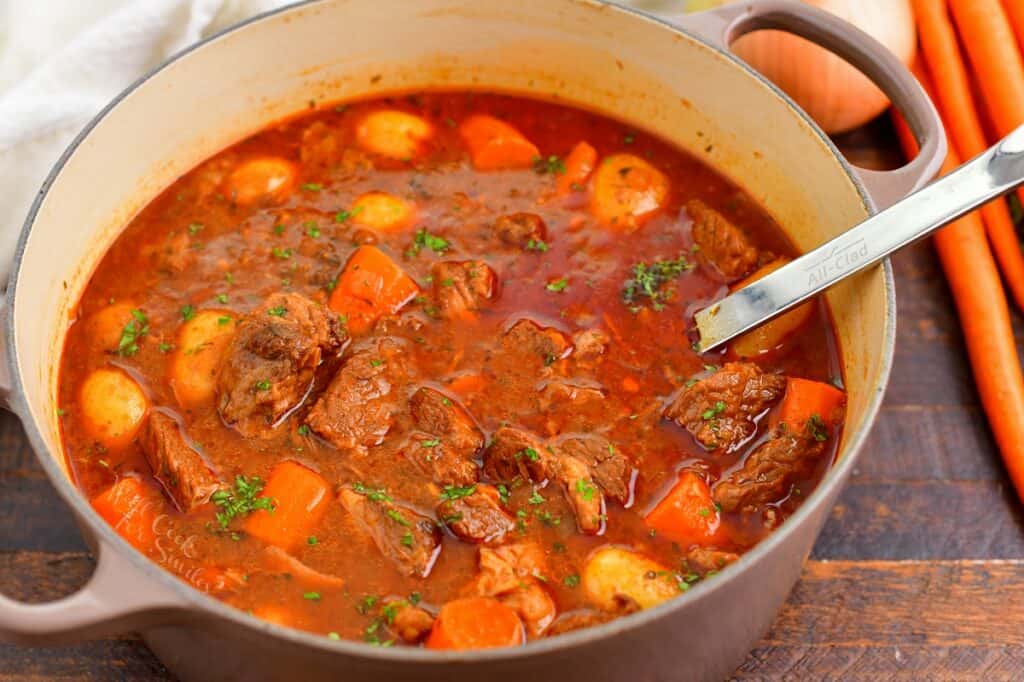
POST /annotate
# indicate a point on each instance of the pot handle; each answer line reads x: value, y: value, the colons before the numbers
x: 118, y: 598
x: 723, y: 25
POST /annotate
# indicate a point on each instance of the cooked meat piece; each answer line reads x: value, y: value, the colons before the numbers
x: 181, y: 470
x: 356, y: 410
x: 321, y: 145
x: 281, y: 561
x: 585, y: 618
x: 768, y: 472
x: 174, y: 254
x: 440, y: 459
x: 543, y: 344
x: 362, y: 236
x: 269, y: 365
x: 477, y: 517
x: 521, y: 229
x: 589, y: 345
x: 583, y: 494
x: 705, y: 560
x: 609, y: 467
x: 509, y: 573
x: 410, y: 623
x: 559, y: 393
x: 444, y: 417
x: 462, y: 287
x: 721, y: 243
x: 411, y: 541
x: 514, y: 453
x: 719, y: 410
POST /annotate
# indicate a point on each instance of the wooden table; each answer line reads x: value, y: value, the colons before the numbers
x: 919, y: 573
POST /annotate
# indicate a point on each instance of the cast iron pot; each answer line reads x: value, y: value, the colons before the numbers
x: 672, y: 76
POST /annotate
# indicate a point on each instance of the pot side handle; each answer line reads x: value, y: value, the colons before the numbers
x: 118, y: 598
x: 723, y: 25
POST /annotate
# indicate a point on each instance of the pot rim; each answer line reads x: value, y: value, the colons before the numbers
x: 195, y: 602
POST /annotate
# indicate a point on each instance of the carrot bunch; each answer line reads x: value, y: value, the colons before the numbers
x: 965, y: 42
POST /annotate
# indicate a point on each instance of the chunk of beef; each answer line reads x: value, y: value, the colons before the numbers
x: 608, y: 466
x: 462, y: 287
x: 768, y: 472
x: 477, y: 517
x: 410, y: 623
x: 447, y: 439
x: 269, y: 365
x: 585, y: 618
x: 525, y: 230
x: 509, y: 573
x: 721, y: 243
x: 409, y: 540
x: 719, y: 410
x: 514, y: 453
x: 175, y: 254
x: 582, y: 493
x: 356, y: 410
x: 706, y: 560
x: 589, y: 345
x: 541, y: 344
x: 179, y: 468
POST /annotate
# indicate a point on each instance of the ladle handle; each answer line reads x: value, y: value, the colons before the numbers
x: 987, y: 176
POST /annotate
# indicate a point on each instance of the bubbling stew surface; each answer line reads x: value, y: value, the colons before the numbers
x: 418, y: 371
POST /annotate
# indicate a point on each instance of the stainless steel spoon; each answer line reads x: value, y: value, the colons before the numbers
x: 987, y: 176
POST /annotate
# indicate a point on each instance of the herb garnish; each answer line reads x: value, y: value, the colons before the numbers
x: 818, y: 428
x: 558, y: 286
x: 136, y: 328
x: 452, y: 492
x: 240, y: 500
x: 649, y: 281
x: 712, y: 412
x: 188, y: 312
x: 424, y: 239
x: 551, y: 164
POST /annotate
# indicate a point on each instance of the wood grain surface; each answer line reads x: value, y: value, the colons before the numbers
x: 917, y: 575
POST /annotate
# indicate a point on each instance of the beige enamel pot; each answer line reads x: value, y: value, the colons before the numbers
x: 672, y: 76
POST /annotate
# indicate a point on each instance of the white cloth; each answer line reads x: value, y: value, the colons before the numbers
x: 61, y: 61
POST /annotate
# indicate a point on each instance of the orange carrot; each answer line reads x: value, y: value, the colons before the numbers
x: 985, y: 318
x: 467, y: 383
x: 578, y: 167
x: 131, y: 507
x: 988, y: 39
x: 1015, y: 13
x: 630, y: 385
x: 770, y: 335
x: 370, y: 285
x: 805, y: 400
x: 687, y: 515
x: 495, y: 145
x: 475, y: 623
x: 300, y: 498
x: 942, y: 54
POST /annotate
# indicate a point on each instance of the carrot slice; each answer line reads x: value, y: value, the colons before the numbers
x: 627, y: 190
x: 475, y: 623
x: 1015, y: 13
x: 578, y: 167
x: 687, y: 515
x: 261, y: 179
x: 942, y: 54
x: 770, y: 335
x: 805, y: 400
x: 300, y: 497
x: 370, y: 285
x: 495, y: 145
x: 985, y: 318
x: 131, y: 507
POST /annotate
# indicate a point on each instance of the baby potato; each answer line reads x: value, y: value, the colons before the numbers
x: 392, y: 133
x: 197, y: 356
x: 112, y: 407
x: 382, y: 211
x: 107, y: 325
x: 627, y: 190
x: 612, y: 572
x: 261, y: 179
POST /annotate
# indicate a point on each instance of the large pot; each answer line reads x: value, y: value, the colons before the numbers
x: 672, y: 76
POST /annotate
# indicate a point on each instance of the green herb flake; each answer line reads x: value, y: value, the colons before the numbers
x: 311, y: 596
x: 240, y: 500
x: 134, y: 330
x: 312, y: 186
x: 552, y: 165
x: 311, y: 540
x: 372, y: 494
x: 424, y: 239
x: 278, y: 311
x: 558, y: 286
x: 586, y: 489
x: 571, y: 580
x: 712, y: 412
x: 537, y: 245
x: 262, y: 385
x: 312, y: 230
x: 195, y: 228
x: 649, y: 282
x: 537, y: 498
x: 818, y: 428
x: 223, y: 320
x: 281, y: 254
x: 187, y: 313
x: 452, y: 492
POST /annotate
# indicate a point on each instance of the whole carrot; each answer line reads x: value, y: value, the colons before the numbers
x: 1015, y: 13
x: 985, y: 318
x: 942, y: 54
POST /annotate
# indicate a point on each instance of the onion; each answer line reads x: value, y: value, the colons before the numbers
x: 831, y: 91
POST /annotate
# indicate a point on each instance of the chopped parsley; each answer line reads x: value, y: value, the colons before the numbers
x: 312, y: 186
x: 312, y: 230
x: 571, y: 580
x: 649, y: 280
x: 376, y: 363
x: 223, y: 320
x: 424, y: 239
x: 366, y: 604
x: 311, y: 596
x: 818, y: 428
x: 537, y: 245
x: 188, y: 312
x: 430, y: 443
x: 713, y: 412
x: 558, y: 286
x: 586, y: 489
x: 166, y: 347
x: 372, y: 494
x: 397, y: 517
x: 503, y: 493
x: 407, y: 539
x: 704, y: 511
x: 283, y: 254
x: 240, y: 500
x: 343, y: 216
x: 279, y: 229
x: 195, y: 228
x: 303, y: 430
x: 311, y: 540
x: 279, y: 311
x: 528, y: 453
x: 222, y: 298
x: 537, y: 498
x: 452, y: 492
x: 263, y: 385
x: 136, y: 328
x: 552, y: 165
